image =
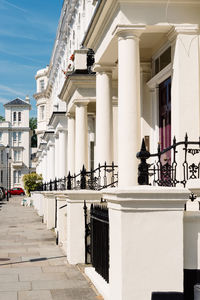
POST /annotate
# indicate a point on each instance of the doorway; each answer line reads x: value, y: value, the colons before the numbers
x: 165, y: 117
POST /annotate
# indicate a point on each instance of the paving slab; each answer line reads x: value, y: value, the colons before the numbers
x: 8, y: 296
x: 73, y: 294
x: 32, y: 266
x: 42, y: 276
x: 9, y: 278
x: 35, y: 295
x: 15, y: 286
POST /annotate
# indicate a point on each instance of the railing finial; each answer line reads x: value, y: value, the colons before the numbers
x: 143, y: 155
x: 83, y: 178
x: 69, y: 183
x: 186, y: 137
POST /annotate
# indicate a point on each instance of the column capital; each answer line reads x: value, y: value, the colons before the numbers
x: 79, y: 102
x: 104, y: 69
x: 129, y: 31
x: 55, y: 135
x: 70, y: 115
x: 60, y: 130
x: 189, y: 29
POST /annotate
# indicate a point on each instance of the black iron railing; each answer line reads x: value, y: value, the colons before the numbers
x: 99, y: 223
x: 87, y: 233
x: 102, y: 177
x: 172, y: 166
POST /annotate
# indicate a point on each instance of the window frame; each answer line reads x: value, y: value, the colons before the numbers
x: 14, y: 116
x: 157, y: 57
x: 42, y: 85
x: 19, y: 116
x: 42, y: 112
x: 17, y: 176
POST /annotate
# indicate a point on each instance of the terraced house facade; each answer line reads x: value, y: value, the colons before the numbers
x: 15, y: 147
x: 120, y: 72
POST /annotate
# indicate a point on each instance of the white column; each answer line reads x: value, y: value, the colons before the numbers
x: 129, y: 139
x: 51, y: 161
x: 38, y: 168
x: 62, y: 153
x: 81, y: 137
x: 47, y: 165
x: 104, y: 116
x: 56, y: 156
x: 71, y: 144
x: 44, y: 165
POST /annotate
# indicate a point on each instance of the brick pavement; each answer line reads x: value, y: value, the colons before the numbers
x: 31, y: 265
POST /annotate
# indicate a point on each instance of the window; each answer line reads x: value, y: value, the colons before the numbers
x: 14, y: 136
x: 162, y: 61
x: 19, y: 116
x: 17, y: 155
x: 17, y: 176
x: 17, y: 136
x: 1, y: 176
x: 41, y: 85
x: 0, y: 136
x: 14, y: 116
x: 42, y: 112
x: 2, y: 156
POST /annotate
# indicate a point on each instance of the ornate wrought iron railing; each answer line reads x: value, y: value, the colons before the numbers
x: 172, y: 166
x: 102, y: 177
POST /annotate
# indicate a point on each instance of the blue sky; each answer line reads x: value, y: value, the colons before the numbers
x: 27, y: 34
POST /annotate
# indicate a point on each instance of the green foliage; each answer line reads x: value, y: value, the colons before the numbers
x: 2, y: 119
x: 33, y: 126
x: 33, y: 123
x: 32, y: 182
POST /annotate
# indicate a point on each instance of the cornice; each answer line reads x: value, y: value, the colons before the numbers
x: 48, y: 134
x: 55, y: 115
x: 74, y: 82
x: 41, y: 95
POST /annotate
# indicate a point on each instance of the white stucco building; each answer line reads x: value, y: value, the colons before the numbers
x: 121, y: 71
x: 15, y: 133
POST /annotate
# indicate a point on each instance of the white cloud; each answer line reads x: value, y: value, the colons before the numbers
x: 9, y: 33
x: 14, y: 6
x: 5, y: 88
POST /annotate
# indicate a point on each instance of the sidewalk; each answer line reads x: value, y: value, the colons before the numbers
x: 31, y: 265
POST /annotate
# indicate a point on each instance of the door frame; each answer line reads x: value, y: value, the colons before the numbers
x: 153, y: 85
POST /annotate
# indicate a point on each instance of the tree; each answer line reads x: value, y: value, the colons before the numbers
x: 2, y: 119
x: 32, y: 182
x: 33, y: 126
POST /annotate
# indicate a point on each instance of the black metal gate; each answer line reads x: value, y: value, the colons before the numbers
x: 97, y: 238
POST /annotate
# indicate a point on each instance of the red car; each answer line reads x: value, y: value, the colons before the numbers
x: 16, y: 191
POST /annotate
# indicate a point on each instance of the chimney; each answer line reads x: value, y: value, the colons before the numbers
x: 27, y: 99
